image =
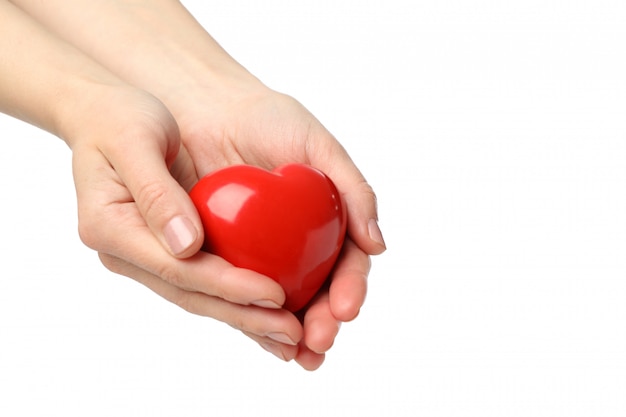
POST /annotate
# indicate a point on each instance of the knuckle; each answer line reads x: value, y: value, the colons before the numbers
x: 94, y: 226
x: 186, y: 301
x: 172, y: 275
x: 111, y: 263
x: 89, y: 230
x: 239, y: 322
x: 221, y: 287
x: 362, y: 197
x: 366, y: 189
x: 151, y: 197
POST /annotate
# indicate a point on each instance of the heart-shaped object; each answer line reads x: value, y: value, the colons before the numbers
x: 288, y: 224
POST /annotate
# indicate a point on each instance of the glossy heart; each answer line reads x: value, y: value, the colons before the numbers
x: 288, y: 224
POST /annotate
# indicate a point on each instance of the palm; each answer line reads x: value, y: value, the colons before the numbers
x: 264, y: 131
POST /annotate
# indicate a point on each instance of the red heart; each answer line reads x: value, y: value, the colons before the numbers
x: 288, y: 224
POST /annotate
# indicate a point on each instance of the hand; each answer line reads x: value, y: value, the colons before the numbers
x: 254, y: 125
x: 131, y: 176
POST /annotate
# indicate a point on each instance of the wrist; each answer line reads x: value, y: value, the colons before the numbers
x: 106, y: 113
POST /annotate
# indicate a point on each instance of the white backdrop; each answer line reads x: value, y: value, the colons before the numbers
x: 494, y: 133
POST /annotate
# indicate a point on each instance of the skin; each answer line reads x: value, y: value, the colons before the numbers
x: 142, y: 137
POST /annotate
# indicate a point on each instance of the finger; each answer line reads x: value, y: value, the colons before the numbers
x: 110, y: 222
x: 285, y: 352
x: 348, y: 287
x: 331, y: 158
x: 203, y: 272
x: 308, y: 359
x: 271, y: 325
x: 143, y: 165
x: 320, y: 326
x: 342, y: 302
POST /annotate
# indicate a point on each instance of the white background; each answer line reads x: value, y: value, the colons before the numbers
x: 494, y: 133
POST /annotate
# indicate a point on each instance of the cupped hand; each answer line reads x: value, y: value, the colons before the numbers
x: 132, y: 176
x: 251, y: 124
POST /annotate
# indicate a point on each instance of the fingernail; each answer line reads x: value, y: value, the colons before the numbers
x: 265, y: 304
x: 274, y: 350
x: 179, y: 234
x: 375, y: 233
x: 282, y: 338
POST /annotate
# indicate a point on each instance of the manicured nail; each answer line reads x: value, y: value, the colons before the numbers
x: 282, y: 338
x: 375, y: 233
x: 179, y: 234
x: 274, y: 350
x: 265, y: 304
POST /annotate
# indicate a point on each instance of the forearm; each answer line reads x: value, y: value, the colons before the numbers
x: 155, y: 45
x: 43, y: 80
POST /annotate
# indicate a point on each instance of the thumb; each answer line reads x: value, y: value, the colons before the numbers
x: 163, y: 203
x: 358, y: 195
x: 361, y: 204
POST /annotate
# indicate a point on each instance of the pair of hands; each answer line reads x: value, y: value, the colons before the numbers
x: 135, y: 157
